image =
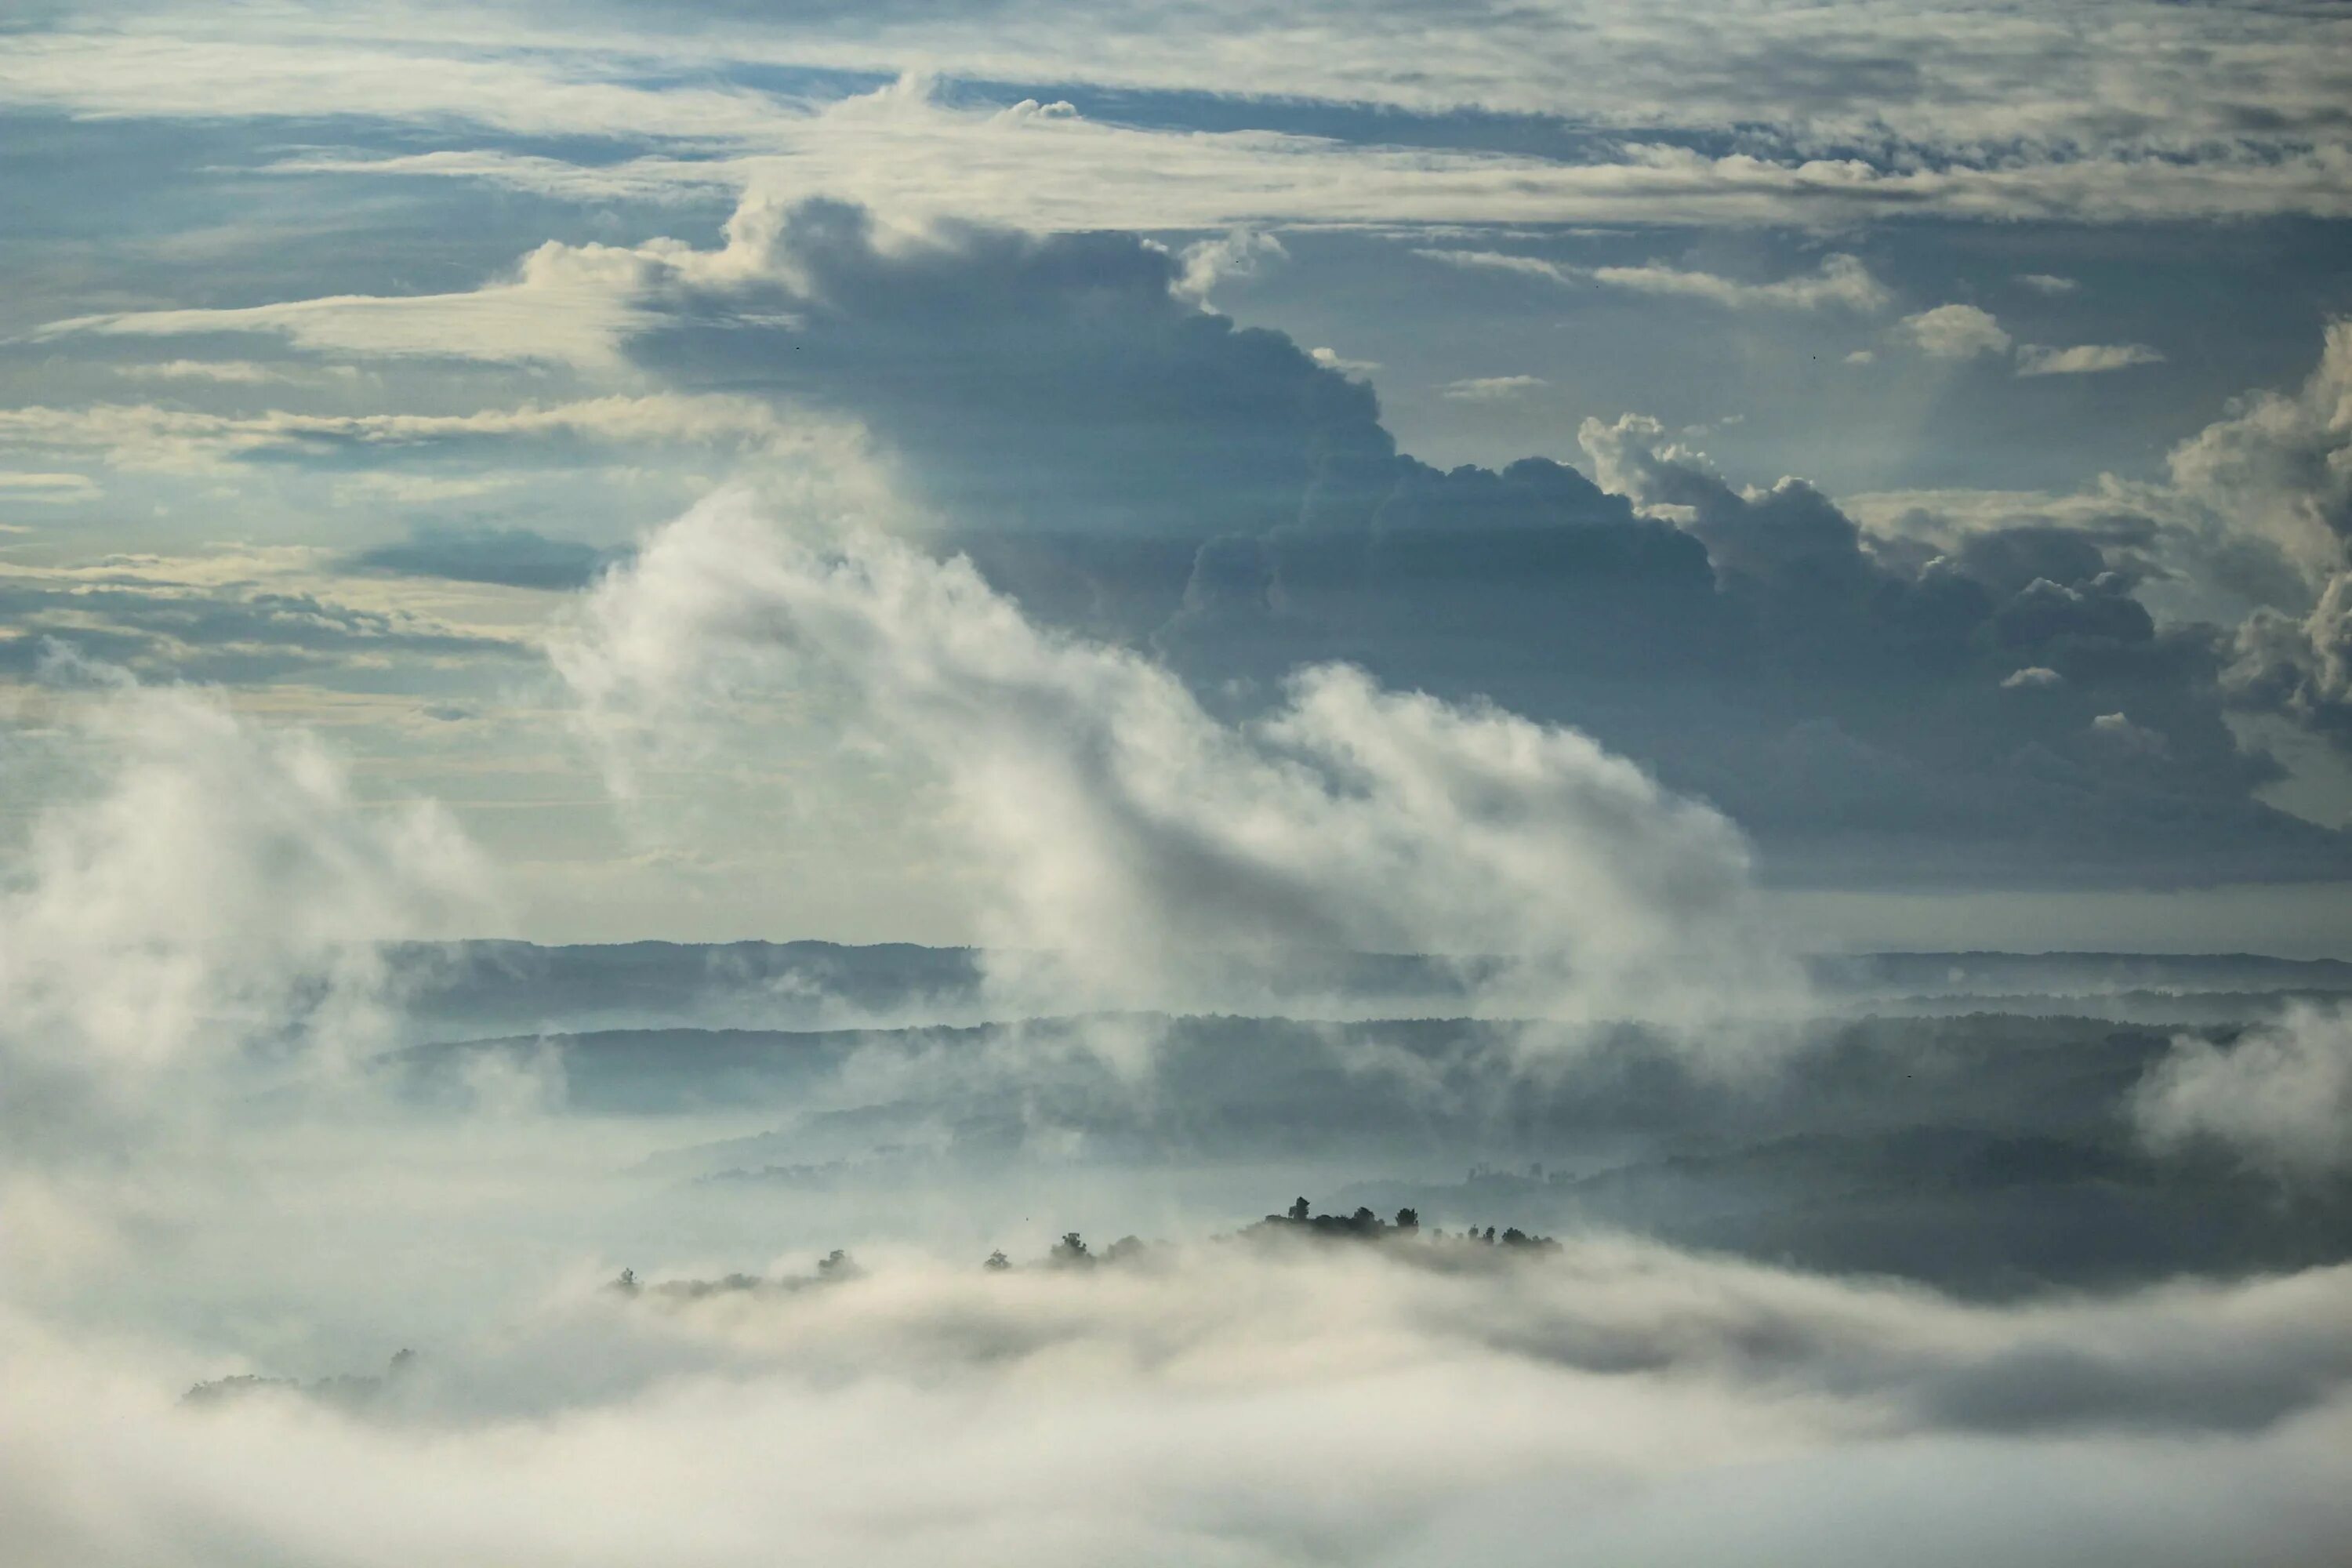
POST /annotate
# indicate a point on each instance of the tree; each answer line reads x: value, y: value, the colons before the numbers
x: 1408, y: 1219
x: 1299, y: 1211
x: 1071, y: 1248
x: 997, y: 1262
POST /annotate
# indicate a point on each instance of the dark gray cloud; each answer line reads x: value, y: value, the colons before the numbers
x: 1125, y: 461
x: 1054, y: 383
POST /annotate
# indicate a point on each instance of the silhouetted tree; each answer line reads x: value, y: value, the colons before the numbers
x: 1300, y: 1210
x: 997, y: 1263
x: 1408, y: 1219
x: 836, y: 1265
x: 1071, y: 1248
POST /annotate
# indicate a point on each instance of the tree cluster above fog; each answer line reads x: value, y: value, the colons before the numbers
x: 2004, y: 708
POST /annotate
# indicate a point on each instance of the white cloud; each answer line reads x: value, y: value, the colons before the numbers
x: 1332, y: 359
x: 1842, y: 281
x: 230, y: 372
x: 1115, y: 823
x: 2141, y: 107
x: 2280, y: 1097
x: 1219, y: 1405
x: 1492, y: 388
x: 2032, y: 676
x: 2048, y: 283
x: 2279, y: 465
x: 565, y: 304
x: 57, y: 489
x: 2082, y: 359
x: 1954, y: 331
x: 146, y: 435
x: 1243, y: 253
x: 215, y: 883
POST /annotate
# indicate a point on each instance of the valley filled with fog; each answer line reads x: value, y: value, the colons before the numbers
x: 1027, y: 784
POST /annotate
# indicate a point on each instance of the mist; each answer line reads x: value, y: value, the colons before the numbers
x: 991, y: 781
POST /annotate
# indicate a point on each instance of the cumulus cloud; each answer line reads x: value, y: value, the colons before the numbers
x: 2082, y: 359
x: 2299, y: 666
x: 1122, y: 824
x: 2280, y: 466
x: 2279, y: 1097
x: 1243, y: 253
x: 2048, y: 283
x: 1955, y: 331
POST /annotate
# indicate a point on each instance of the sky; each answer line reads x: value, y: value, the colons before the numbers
x: 1717, y: 633
x: 1913, y: 441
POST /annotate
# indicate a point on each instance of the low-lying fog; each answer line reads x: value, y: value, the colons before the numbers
x: 1637, y: 1240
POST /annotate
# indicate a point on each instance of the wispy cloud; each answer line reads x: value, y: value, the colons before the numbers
x: 2082, y: 359
x: 1492, y: 388
x: 1842, y: 281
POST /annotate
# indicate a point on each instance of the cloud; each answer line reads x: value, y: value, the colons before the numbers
x: 564, y: 305
x: 1120, y: 825
x: 1492, y: 388
x: 1955, y: 331
x: 1332, y: 359
x: 2029, y: 676
x: 2100, y: 121
x: 2048, y: 283
x: 1842, y: 281
x: 232, y: 372
x: 169, y: 439
x: 236, y: 615
x: 1220, y: 1405
x: 2279, y: 1097
x: 2299, y: 666
x: 2280, y: 466
x: 2116, y: 730
x: 46, y: 490
x: 1062, y: 384
x: 1243, y: 253
x: 1126, y: 464
x: 216, y: 886
x: 2082, y: 359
